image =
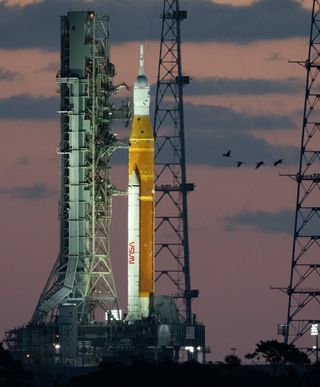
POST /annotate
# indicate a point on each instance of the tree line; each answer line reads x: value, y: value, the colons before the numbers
x: 272, y: 364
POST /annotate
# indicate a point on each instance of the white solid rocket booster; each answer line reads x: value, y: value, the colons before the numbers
x: 133, y: 246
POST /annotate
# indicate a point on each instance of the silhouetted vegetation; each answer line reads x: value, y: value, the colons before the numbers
x: 232, y: 360
x: 167, y: 374
x: 277, y: 354
x: 279, y: 365
x: 11, y: 372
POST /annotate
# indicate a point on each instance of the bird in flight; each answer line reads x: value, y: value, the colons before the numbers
x: 280, y: 161
x: 239, y: 163
x: 259, y: 164
x: 227, y: 154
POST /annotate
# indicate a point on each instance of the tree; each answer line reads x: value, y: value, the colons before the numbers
x: 11, y: 372
x: 232, y: 360
x: 5, y: 357
x: 278, y: 354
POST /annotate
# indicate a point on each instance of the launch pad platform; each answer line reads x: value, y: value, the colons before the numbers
x: 65, y: 343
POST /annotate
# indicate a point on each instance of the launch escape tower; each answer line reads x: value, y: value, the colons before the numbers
x: 304, y: 287
x: 172, y: 253
x: 77, y: 321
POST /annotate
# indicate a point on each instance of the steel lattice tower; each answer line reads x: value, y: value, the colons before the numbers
x: 171, y: 225
x: 82, y: 276
x: 304, y: 288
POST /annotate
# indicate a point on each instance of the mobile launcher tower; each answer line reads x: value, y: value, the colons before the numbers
x: 77, y: 321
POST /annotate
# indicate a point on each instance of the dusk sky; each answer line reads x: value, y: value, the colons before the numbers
x: 244, y: 96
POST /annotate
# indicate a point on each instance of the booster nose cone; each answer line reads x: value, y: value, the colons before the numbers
x: 141, y: 90
x: 133, y: 179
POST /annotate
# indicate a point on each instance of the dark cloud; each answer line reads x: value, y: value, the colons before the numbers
x: 197, y: 116
x: 275, y: 57
x: 280, y: 222
x: 52, y: 66
x: 23, y: 162
x: 224, y: 118
x: 33, y: 192
x: 25, y: 106
x: 210, y: 130
x: 208, y: 147
x: 8, y: 75
x: 37, y: 24
x: 263, y: 20
x: 225, y: 86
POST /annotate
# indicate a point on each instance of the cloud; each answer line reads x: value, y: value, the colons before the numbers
x: 225, y: 118
x: 275, y: 57
x: 25, y: 106
x: 209, y: 131
x: 225, y: 86
x: 197, y: 116
x: 52, y: 66
x: 29, y: 107
x: 212, y: 130
x: 23, y: 162
x: 279, y: 222
x: 37, y: 24
x: 262, y: 20
x: 19, y: 3
x: 8, y: 75
x: 33, y: 192
x: 207, y: 148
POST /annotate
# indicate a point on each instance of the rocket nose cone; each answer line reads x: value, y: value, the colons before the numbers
x: 133, y: 178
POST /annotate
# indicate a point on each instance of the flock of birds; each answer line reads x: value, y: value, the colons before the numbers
x: 258, y: 164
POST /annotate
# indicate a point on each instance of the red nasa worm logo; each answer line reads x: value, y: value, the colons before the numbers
x: 131, y: 253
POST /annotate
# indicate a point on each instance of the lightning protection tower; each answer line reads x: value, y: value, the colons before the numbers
x: 172, y: 188
x: 304, y: 287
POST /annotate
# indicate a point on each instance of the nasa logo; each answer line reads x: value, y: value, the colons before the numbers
x: 131, y: 253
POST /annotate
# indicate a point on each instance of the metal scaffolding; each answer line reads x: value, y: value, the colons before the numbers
x: 172, y: 238
x: 304, y: 287
x: 82, y: 275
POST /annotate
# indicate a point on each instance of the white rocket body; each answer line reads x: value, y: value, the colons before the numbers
x: 133, y: 247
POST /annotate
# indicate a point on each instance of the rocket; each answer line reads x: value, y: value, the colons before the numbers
x: 141, y: 202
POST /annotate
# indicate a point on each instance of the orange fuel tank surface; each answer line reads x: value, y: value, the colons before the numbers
x: 141, y: 159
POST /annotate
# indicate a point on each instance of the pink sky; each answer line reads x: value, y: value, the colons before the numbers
x: 232, y: 269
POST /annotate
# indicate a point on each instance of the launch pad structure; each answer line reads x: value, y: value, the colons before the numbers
x: 77, y: 321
